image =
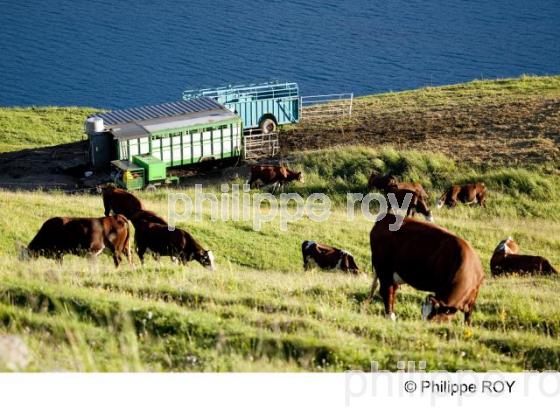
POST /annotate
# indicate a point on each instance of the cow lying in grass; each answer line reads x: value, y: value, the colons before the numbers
x: 466, y: 194
x: 327, y: 257
x: 277, y: 176
x: 506, y: 259
x: 81, y: 236
x: 159, y: 239
x: 428, y: 258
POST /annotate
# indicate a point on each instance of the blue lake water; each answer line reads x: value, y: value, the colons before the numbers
x: 120, y: 54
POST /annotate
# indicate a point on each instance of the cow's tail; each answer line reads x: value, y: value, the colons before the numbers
x: 374, y: 284
x: 126, y: 245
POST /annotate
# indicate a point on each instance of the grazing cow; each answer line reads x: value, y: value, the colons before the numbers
x: 386, y: 182
x: 428, y: 258
x: 467, y: 194
x: 327, y: 257
x: 417, y: 202
x: 148, y: 216
x: 270, y: 174
x: 178, y: 244
x: 120, y: 201
x: 506, y: 259
x: 81, y: 236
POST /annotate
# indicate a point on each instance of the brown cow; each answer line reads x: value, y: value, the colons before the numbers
x: 148, y: 216
x: 176, y: 243
x: 270, y: 174
x: 428, y: 258
x: 506, y: 259
x: 417, y: 202
x: 81, y: 236
x: 388, y: 182
x: 327, y: 257
x: 467, y: 194
x: 120, y: 201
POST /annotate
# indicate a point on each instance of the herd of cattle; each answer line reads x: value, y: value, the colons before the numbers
x: 420, y: 254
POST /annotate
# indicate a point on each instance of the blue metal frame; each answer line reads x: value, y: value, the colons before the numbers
x: 255, y: 102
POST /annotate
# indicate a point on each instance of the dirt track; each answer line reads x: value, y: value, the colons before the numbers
x: 57, y: 167
x: 520, y: 132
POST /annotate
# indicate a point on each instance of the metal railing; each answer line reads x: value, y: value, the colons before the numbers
x: 326, y: 106
x: 258, y: 145
x: 240, y: 93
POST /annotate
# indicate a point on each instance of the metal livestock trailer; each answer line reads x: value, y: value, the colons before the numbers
x: 264, y: 105
x: 140, y: 144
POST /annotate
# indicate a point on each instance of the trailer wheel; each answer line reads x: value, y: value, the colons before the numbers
x: 150, y: 187
x: 267, y: 126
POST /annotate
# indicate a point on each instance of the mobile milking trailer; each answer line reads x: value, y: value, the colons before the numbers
x: 141, y: 144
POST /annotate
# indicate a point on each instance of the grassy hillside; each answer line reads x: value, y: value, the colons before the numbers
x: 464, y: 94
x: 31, y: 127
x: 498, y: 122
x: 260, y: 310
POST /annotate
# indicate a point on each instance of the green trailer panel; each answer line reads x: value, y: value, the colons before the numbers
x: 187, y: 145
x: 154, y: 168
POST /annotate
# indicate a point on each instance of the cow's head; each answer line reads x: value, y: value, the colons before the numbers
x: 347, y: 263
x: 381, y: 182
x: 307, y: 245
x: 508, y: 247
x: 109, y: 186
x: 206, y: 259
x: 391, y: 182
x: 293, y: 176
x: 434, y: 310
x: 422, y: 208
x: 428, y: 308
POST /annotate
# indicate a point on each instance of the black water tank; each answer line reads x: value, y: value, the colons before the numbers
x: 100, y: 149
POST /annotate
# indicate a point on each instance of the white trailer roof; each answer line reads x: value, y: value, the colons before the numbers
x: 136, y: 123
x: 165, y: 110
x: 188, y: 121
